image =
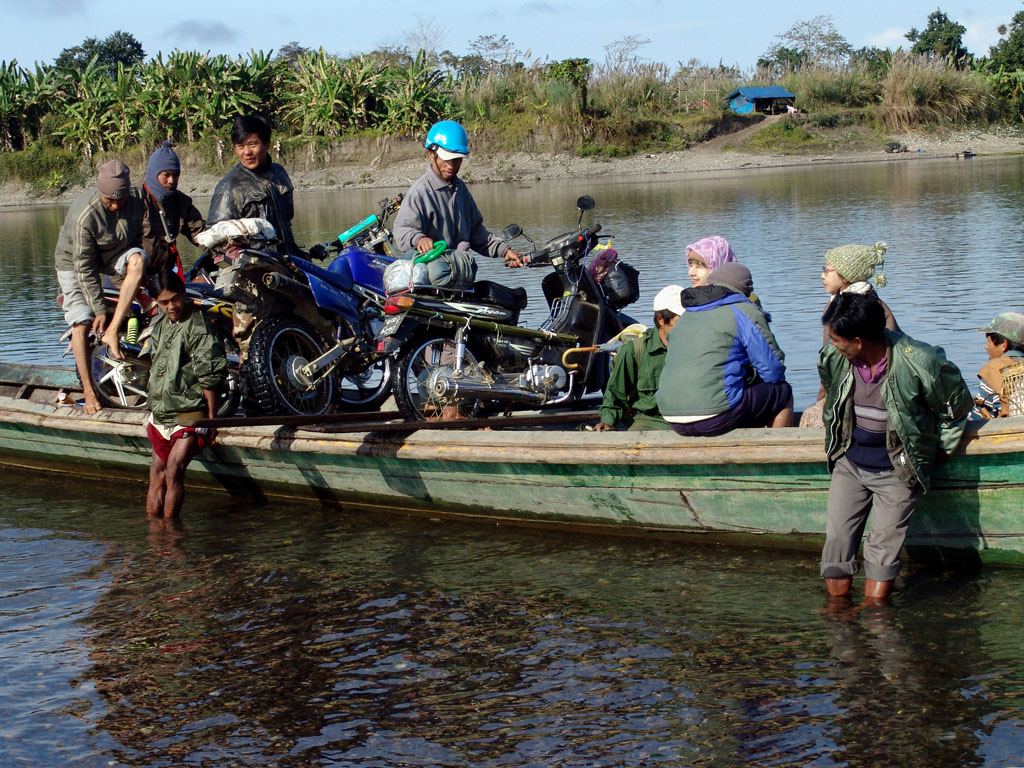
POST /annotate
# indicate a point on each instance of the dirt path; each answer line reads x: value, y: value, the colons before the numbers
x: 737, y: 138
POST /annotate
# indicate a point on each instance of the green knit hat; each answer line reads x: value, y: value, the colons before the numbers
x: 856, y: 263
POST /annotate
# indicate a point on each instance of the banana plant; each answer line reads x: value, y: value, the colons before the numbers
x: 416, y: 96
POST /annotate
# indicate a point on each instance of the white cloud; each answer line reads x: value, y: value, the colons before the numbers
x: 893, y: 38
x: 981, y: 35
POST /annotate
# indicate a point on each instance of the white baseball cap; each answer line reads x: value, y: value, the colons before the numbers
x: 668, y: 298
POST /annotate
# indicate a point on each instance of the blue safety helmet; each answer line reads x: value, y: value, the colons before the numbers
x: 448, y: 139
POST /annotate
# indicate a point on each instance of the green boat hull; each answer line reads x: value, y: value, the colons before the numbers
x: 753, y: 487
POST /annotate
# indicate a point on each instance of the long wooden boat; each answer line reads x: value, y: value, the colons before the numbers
x: 753, y: 487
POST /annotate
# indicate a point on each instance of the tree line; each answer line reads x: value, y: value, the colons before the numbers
x: 104, y: 95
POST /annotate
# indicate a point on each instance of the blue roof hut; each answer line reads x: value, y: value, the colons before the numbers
x: 770, y: 99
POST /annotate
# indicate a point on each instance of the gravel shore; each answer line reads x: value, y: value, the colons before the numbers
x: 401, y: 166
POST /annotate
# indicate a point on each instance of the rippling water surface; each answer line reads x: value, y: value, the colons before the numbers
x: 284, y: 635
x: 305, y: 636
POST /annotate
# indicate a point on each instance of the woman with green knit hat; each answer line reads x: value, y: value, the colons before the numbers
x: 848, y: 269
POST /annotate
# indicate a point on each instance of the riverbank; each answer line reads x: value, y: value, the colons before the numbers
x: 396, y: 164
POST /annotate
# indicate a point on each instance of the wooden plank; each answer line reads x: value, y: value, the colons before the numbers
x: 47, y: 376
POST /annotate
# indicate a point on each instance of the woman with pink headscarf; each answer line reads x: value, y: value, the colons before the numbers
x: 705, y: 256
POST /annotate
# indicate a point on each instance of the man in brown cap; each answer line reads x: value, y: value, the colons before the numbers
x: 101, y: 235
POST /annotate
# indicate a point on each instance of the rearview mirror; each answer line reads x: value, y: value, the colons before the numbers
x: 511, y: 232
x: 585, y: 203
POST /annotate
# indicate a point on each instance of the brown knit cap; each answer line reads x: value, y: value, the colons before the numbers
x: 113, y: 181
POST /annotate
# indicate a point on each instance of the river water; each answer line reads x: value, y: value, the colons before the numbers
x: 288, y: 635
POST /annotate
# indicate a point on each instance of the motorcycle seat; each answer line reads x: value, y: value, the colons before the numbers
x: 496, y: 293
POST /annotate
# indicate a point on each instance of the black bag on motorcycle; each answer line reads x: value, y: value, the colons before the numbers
x: 621, y: 285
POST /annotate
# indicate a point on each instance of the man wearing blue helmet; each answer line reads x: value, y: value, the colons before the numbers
x: 438, y: 205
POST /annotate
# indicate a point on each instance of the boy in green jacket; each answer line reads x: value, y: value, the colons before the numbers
x: 188, y: 373
x: 893, y: 405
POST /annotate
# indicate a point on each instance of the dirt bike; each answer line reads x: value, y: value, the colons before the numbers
x: 465, y: 350
x: 310, y: 342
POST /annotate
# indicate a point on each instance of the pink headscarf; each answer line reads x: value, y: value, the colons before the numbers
x: 601, y: 262
x: 714, y: 250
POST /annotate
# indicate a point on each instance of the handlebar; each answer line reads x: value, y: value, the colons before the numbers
x: 542, y: 255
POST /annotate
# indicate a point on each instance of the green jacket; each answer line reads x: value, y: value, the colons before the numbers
x: 188, y: 357
x: 634, y: 380
x: 925, y: 396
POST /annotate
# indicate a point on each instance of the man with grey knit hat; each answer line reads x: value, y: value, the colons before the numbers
x: 101, y: 235
x: 167, y: 213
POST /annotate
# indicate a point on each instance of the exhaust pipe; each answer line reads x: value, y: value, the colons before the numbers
x: 275, y: 281
x: 470, y: 390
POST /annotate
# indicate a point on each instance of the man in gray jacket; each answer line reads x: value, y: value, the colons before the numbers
x: 101, y: 235
x: 438, y: 205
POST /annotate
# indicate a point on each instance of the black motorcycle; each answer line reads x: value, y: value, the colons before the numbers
x: 465, y: 350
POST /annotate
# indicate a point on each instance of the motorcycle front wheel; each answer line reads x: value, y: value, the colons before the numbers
x: 278, y: 346
x: 366, y: 391
x: 120, y: 383
x: 419, y: 366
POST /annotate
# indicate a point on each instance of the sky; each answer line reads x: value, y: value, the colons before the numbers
x: 730, y: 33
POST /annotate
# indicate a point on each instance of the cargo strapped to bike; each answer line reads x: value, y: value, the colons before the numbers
x: 438, y: 268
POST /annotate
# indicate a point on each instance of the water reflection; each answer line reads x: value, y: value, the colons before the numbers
x: 956, y: 244
x: 294, y: 636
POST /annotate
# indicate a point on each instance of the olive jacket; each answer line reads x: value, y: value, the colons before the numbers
x: 188, y: 357
x: 926, y: 400
x: 92, y: 238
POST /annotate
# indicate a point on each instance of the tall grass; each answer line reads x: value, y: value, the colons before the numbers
x: 820, y: 88
x: 918, y: 91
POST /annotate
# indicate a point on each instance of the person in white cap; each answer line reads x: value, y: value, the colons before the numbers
x: 438, y: 205
x: 629, y: 396
x: 101, y: 235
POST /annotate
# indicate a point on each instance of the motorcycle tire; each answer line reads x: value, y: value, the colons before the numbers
x: 366, y: 391
x: 419, y: 364
x: 120, y: 383
x: 276, y: 346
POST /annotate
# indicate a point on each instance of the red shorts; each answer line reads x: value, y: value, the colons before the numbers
x: 162, y: 446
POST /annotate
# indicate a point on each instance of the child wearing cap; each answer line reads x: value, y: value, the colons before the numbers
x: 629, y: 396
x: 1004, y: 343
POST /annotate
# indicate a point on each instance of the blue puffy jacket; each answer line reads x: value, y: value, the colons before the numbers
x: 720, y: 342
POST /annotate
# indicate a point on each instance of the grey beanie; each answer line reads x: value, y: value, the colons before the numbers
x: 113, y: 180
x: 733, y: 275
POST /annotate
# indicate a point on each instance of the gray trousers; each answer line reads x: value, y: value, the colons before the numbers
x: 852, y: 494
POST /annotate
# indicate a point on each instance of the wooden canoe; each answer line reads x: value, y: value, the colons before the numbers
x: 751, y: 487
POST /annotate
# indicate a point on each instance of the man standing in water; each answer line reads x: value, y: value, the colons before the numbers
x: 256, y: 186
x: 101, y: 235
x: 893, y: 405
x: 184, y: 385
x: 439, y: 206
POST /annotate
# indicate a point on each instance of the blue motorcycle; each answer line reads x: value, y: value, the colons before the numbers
x: 307, y: 331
